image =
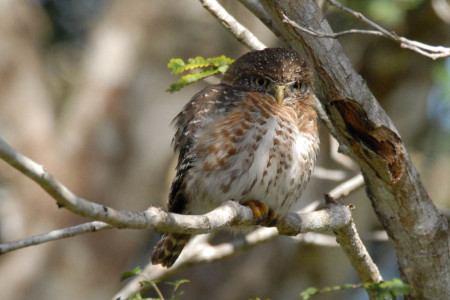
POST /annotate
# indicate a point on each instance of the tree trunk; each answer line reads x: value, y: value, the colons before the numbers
x: 417, y: 230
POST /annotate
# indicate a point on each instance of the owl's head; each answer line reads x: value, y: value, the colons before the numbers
x: 279, y: 72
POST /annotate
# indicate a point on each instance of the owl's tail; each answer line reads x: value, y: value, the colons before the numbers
x: 168, y: 248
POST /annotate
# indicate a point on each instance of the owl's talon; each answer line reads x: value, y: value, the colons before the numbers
x: 272, y: 219
x: 262, y: 213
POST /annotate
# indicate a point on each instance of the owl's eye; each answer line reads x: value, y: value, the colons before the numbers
x: 260, y: 81
x: 299, y: 85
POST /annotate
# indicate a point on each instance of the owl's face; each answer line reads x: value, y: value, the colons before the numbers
x: 279, y: 72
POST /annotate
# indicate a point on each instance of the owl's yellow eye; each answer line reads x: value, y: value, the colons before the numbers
x: 260, y: 81
x: 299, y: 85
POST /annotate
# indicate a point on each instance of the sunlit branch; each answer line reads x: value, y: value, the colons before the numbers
x: 241, y: 33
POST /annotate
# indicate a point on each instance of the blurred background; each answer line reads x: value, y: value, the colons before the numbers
x: 82, y: 92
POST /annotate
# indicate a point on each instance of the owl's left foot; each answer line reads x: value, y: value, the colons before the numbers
x: 262, y: 213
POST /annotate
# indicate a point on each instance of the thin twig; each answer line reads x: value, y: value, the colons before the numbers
x: 433, y: 52
x: 258, y: 10
x: 337, y: 154
x: 241, y: 33
x: 347, y: 187
x: 153, y: 284
x: 198, y: 251
x: 330, y: 35
x: 328, y: 174
x: 54, y: 235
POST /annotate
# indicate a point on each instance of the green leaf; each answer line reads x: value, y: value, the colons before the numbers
x: 190, y: 78
x: 309, y: 292
x: 386, y: 290
x: 394, y: 287
x: 177, y: 283
x: 176, y: 65
x: 144, y: 283
x: 208, y: 67
x: 220, y: 61
x: 128, y: 274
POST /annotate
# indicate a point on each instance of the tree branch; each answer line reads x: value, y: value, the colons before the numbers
x: 228, y: 215
x: 347, y: 187
x: 331, y: 35
x: 412, y: 221
x: 200, y: 251
x: 357, y: 253
x: 433, y: 52
x: 241, y: 33
x: 54, y: 235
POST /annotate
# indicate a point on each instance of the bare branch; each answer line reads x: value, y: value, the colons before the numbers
x: 228, y: 215
x: 347, y: 187
x: 337, y: 154
x: 317, y: 239
x: 241, y: 33
x: 328, y: 174
x: 354, y: 248
x: 199, y: 251
x: 258, y: 10
x: 330, y: 35
x: 54, y: 235
x: 392, y: 183
x: 433, y: 52
x: 442, y: 9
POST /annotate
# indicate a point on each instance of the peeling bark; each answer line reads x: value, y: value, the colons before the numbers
x: 417, y: 230
x: 382, y: 145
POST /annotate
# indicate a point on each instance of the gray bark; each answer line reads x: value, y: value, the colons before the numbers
x: 416, y: 228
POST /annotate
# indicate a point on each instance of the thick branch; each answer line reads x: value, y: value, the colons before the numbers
x: 228, y: 215
x: 415, y: 226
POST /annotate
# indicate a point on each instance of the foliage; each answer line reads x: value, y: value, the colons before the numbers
x: 206, y: 66
x: 128, y: 274
x: 386, y: 290
x: 176, y: 284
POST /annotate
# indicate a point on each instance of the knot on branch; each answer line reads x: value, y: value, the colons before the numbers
x: 377, y: 145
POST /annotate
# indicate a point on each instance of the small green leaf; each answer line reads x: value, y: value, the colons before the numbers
x: 144, y: 283
x: 176, y: 65
x: 177, y: 283
x: 309, y: 292
x: 207, y: 67
x: 128, y: 274
x: 386, y: 290
x: 190, y: 78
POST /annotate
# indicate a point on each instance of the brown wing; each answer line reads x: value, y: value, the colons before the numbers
x: 202, y: 111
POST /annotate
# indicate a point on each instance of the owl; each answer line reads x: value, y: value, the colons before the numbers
x: 253, y: 139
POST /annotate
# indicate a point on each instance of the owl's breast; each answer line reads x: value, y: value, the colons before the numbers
x: 255, y: 153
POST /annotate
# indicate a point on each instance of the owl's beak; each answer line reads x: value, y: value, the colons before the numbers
x: 279, y: 93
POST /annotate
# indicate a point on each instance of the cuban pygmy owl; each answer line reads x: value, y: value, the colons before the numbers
x: 253, y: 138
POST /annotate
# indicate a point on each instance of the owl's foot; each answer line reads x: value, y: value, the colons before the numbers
x: 262, y: 213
